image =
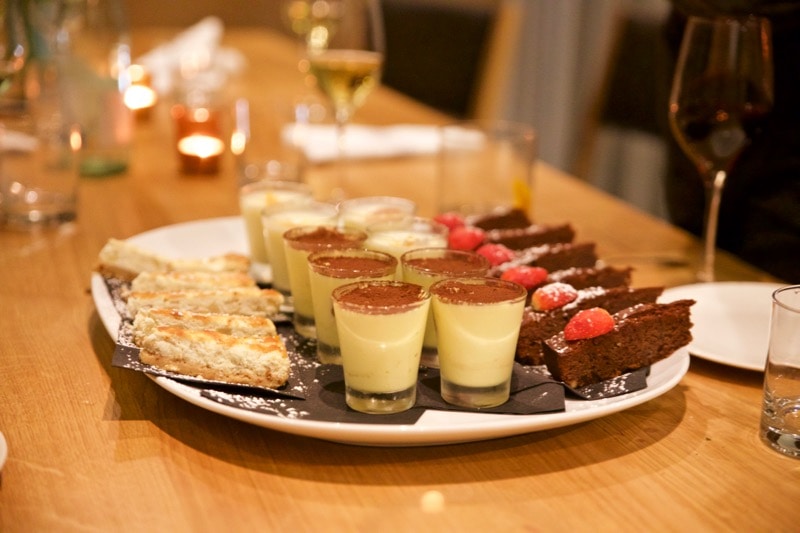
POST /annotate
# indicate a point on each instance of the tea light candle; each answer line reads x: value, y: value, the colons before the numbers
x: 199, y: 139
x: 139, y: 96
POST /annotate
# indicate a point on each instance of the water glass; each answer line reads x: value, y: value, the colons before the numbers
x: 780, y: 414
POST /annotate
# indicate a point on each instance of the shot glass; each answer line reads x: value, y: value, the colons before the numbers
x: 256, y: 196
x: 486, y: 165
x: 477, y: 323
x: 329, y: 269
x: 363, y: 212
x: 381, y: 325
x: 426, y: 266
x: 398, y: 236
x: 299, y: 243
x: 780, y: 413
x: 277, y: 220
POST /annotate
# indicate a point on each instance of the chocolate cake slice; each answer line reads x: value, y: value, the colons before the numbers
x: 538, y: 326
x: 643, y: 335
x: 552, y: 257
x: 585, y: 277
x: 533, y: 235
x: 501, y: 218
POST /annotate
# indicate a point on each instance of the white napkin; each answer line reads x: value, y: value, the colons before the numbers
x: 198, y: 44
x: 16, y: 141
x: 319, y: 142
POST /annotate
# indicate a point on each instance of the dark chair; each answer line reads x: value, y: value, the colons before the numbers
x: 453, y: 56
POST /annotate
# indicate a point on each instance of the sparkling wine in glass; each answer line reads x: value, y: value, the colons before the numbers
x: 348, y: 66
x: 721, y: 95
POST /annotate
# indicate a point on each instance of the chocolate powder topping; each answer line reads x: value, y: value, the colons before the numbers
x: 448, y: 265
x: 351, y: 266
x: 380, y: 297
x: 455, y: 291
x: 326, y: 235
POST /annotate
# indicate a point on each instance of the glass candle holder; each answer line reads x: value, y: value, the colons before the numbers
x: 199, y: 143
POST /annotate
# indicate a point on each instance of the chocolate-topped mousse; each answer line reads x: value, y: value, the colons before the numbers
x: 380, y: 297
x: 459, y: 291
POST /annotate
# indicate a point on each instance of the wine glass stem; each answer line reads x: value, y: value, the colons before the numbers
x: 713, y: 195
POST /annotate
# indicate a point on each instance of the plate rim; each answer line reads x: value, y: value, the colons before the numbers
x: 684, y: 291
x: 3, y: 450
x: 470, y: 427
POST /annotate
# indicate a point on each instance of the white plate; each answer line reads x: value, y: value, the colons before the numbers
x: 216, y: 236
x: 3, y: 451
x: 731, y: 321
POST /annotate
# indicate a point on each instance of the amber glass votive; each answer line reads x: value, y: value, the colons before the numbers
x: 199, y: 141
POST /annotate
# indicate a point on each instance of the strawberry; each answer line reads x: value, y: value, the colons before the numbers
x: 465, y: 238
x: 451, y: 220
x: 553, y: 295
x: 588, y: 324
x: 527, y: 276
x: 497, y: 254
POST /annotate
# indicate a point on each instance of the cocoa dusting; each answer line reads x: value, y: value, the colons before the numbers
x: 324, y: 237
x: 451, y: 265
x: 351, y: 266
x: 379, y: 297
x: 456, y: 291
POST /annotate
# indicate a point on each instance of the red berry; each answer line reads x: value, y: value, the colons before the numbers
x: 465, y: 238
x: 553, y: 295
x: 527, y: 276
x: 588, y: 324
x: 497, y: 254
x: 451, y: 220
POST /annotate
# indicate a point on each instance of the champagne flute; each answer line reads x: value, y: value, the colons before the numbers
x: 721, y: 95
x: 347, y: 64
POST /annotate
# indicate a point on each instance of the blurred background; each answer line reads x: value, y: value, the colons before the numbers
x: 580, y: 71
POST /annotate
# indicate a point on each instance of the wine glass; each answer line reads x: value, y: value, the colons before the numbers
x: 347, y: 62
x: 721, y: 95
x: 313, y: 21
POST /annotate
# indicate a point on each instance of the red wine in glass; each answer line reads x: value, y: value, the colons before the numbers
x: 721, y: 96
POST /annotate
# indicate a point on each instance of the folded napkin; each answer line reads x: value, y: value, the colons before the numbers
x: 15, y: 141
x: 199, y: 44
x: 319, y: 141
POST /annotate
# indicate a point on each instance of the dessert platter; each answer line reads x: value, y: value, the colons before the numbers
x: 226, y: 235
x: 741, y: 310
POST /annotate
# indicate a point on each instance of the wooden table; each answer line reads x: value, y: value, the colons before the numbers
x: 97, y: 448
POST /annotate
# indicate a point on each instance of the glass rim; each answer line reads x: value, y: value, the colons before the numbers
x: 778, y: 293
x: 477, y: 261
x: 522, y: 292
x: 378, y: 308
x: 388, y: 262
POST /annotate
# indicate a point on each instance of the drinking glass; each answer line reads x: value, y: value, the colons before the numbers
x: 313, y: 21
x: 347, y: 62
x: 13, y: 41
x: 722, y: 92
